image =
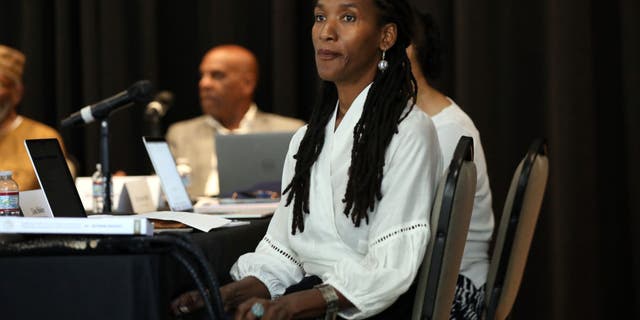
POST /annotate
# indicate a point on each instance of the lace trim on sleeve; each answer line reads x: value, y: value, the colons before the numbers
x: 400, y: 231
x: 283, y: 252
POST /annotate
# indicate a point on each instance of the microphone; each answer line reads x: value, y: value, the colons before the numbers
x: 160, y: 104
x: 139, y: 92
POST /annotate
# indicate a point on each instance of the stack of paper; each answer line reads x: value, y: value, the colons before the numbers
x: 235, y: 210
x: 104, y: 225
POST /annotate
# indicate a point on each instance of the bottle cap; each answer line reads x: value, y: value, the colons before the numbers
x: 6, y: 173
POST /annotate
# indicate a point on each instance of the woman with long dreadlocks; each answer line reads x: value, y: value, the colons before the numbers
x: 359, y: 179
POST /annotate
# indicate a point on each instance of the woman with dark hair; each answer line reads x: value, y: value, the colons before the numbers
x: 452, y: 123
x: 359, y: 179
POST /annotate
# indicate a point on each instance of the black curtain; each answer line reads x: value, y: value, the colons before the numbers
x: 566, y: 70
x: 569, y: 71
x: 80, y: 52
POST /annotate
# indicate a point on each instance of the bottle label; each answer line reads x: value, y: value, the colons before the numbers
x: 9, y: 200
x: 98, y: 189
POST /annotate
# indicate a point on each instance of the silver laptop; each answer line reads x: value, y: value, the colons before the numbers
x: 251, y: 161
x: 175, y: 192
x: 165, y: 167
x: 54, y: 177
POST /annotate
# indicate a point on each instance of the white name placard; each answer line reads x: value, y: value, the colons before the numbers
x: 136, y: 195
x: 34, y: 204
x: 85, y: 189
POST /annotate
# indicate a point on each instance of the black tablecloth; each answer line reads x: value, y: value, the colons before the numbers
x: 112, y: 286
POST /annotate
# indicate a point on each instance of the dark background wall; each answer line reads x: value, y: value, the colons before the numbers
x: 566, y: 70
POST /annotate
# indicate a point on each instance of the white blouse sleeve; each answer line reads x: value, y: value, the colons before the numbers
x: 399, y: 227
x: 273, y: 262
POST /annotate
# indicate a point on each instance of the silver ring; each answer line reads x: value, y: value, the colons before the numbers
x: 183, y: 309
x: 257, y: 309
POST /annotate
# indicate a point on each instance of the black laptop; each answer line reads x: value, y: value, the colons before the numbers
x: 54, y: 177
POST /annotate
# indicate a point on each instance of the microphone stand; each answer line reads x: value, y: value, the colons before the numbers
x: 104, y: 158
x: 153, y: 124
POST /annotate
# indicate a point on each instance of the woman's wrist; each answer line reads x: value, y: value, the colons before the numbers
x: 237, y: 292
x: 304, y: 304
x: 331, y: 299
x: 229, y: 296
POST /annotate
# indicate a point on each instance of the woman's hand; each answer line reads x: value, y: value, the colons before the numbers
x: 255, y: 308
x: 186, y: 303
x: 192, y: 300
x: 232, y: 294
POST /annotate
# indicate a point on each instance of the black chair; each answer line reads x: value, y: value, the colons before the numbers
x: 450, y: 217
x: 515, y: 231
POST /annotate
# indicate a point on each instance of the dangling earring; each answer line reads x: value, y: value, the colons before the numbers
x: 383, y: 64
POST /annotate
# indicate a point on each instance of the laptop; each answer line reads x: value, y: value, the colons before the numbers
x: 165, y: 166
x: 175, y: 192
x: 54, y: 177
x: 247, y: 162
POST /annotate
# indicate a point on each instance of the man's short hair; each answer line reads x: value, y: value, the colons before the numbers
x: 12, y: 63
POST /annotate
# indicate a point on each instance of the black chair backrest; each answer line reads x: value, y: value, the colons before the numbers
x: 450, y: 219
x: 515, y: 231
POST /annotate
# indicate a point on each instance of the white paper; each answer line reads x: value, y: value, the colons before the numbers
x: 202, y: 222
x: 34, y: 204
x: 235, y: 210
x: 136, y: 195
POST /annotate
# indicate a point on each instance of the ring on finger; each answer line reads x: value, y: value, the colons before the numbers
x: 257, y: 309
x: 183, y: 309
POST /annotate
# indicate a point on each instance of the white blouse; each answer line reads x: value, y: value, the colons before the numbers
x: 452, y: 123
x: 371, y: 265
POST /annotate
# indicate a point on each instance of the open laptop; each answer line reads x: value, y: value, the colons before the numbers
x: 172, y: 187
x: 165, y: 167
x: 246, y: 161
x: 54, y: 177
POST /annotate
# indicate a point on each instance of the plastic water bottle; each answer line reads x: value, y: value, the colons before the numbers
x: 98, y: 189
x: 184, y: 169
x: 9, y: 195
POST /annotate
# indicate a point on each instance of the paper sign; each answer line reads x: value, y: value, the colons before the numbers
x: 136, y: 196
x: 84, y: 186
x: 34, y: 204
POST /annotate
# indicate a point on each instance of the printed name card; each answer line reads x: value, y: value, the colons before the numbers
x: 34, y: 204
x: 136, y: 197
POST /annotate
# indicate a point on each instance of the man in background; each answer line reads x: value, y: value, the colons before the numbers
x: 14, y: 128
x: 228, y: 78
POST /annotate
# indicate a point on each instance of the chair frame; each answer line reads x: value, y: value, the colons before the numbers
x: 464, y: 153
x: 537, y: 148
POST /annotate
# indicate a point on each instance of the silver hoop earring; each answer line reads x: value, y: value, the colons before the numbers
x: 383, y: 64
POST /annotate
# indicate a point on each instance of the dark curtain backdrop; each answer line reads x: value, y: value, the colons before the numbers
x: 566, y: 70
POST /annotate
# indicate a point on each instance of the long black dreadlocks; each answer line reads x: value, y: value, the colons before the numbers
x: 384, y: 109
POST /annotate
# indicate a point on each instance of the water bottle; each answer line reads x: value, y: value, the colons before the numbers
x: 98, y: 189
x: 184, y: 169
x: 9, y: 195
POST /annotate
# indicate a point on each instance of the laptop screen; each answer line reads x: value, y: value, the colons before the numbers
x: 54, y: 177
x: 165, y: 167
x: 249, y: 161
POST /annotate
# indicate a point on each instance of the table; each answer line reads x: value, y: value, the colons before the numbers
x: 112, y: 286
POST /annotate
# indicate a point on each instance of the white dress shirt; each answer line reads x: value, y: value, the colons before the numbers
x: 371, y: 265
x: 452, y: 123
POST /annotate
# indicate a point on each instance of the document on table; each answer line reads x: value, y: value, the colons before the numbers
x: 202, y: 222
x: 240, y: 210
